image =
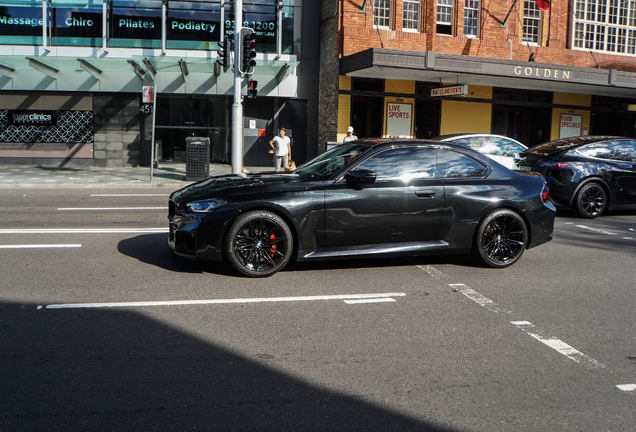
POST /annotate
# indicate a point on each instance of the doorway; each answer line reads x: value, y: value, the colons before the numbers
x: 367, y: 116
x: 526, y: 124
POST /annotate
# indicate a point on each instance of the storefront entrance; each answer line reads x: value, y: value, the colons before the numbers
x: 188, y: 116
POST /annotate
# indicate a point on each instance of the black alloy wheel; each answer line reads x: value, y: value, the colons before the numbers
x: 259, y: 243
x: 501, y: 239
x: 590, y: 201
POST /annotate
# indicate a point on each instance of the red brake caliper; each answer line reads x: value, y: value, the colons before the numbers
x: 272, y: 237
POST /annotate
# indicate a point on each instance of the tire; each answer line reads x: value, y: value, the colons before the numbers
x: 500, y: 239
x: 259, y: 244
x: 590, y: 201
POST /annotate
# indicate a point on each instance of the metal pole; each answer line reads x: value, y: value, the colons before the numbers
x: 237, y: 105
x: 152, y: 139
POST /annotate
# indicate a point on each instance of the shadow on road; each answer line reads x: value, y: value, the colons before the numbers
x: 115, y: 369
x: 153, y: 249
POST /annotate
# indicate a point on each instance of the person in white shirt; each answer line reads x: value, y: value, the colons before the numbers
x: 282, y: 150
x: 350, y: 136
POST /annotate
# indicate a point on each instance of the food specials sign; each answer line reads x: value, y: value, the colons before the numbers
x: 570, y: 126
x: 398, y: 120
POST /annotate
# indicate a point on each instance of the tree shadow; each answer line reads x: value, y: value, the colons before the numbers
x: 116, y: 369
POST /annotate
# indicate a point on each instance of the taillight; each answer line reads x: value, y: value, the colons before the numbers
x: 545, y: 194
x: 554, y: 165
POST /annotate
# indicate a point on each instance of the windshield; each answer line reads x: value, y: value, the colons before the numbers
x: 329, y: 163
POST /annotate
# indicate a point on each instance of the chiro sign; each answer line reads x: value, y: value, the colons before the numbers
x: 458, y: 90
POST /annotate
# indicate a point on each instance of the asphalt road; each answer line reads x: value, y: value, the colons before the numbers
x: 103, y: 328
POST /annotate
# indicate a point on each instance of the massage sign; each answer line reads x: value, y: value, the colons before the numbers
x: 398, y: 120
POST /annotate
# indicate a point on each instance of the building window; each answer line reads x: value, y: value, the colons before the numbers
x: 445, y: 17
x: 471, y: 18
x: 605, y: 25
x: 531, y: 22
x: 411, y: 15
x: 382, y: 13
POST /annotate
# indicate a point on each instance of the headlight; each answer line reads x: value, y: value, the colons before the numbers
x: 205, y: 206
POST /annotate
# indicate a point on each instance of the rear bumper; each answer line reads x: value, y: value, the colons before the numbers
x: 542, y: 225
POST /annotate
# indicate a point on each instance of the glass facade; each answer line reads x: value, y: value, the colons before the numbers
x: 192, y: 25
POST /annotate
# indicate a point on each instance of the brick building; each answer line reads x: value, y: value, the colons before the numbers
x: 421, y: 68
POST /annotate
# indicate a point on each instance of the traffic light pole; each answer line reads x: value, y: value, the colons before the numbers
x: 237, y: 105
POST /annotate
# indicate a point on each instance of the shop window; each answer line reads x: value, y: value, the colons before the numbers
x: 367, y: 84
x: 193, y: 25
x: 76, y: 23
x: 135, y: 24
x: 445, y: 17
x: 382, y: 13
x: 411, y: 15
x: 531, y: 23
x: 605, y: 26
x: 471, y: 18
x: 21, y: 23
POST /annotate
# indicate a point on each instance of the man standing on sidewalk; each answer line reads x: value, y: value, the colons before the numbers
x: 282, y: 148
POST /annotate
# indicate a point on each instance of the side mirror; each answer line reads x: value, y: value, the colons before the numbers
x: 360, y: 176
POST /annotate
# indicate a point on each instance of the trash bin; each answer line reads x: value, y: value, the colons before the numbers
x: 197, y: 158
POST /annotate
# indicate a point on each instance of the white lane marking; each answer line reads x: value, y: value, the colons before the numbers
x: 373, y: 300
x: 222, y: 301
x: 479, y: 299
x: 558, y: 345
x: 600, y: 231
x: 130, y: 195
x: 628, y: 238
x: 627, y: 387
x: 38, y: 246
x: 83, y: 230
x: 109, y: 208
x: 432, y: 271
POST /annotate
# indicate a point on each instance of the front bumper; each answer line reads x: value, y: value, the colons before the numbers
x: 199, y: 236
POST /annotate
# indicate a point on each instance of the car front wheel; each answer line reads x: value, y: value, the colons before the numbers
x: 501, y: 239
x: 591, y: 201
x: 259, y: 244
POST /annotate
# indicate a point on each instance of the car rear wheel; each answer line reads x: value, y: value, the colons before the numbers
x: 501, y: 239
x: 259, y: 243
x: 590, y: 201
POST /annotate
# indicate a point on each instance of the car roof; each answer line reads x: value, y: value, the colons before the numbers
x: 565, y: 144
x: 447, y: 137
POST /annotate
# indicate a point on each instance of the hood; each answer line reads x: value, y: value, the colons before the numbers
x: 238, y: 184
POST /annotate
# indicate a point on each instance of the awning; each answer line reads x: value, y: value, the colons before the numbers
x: 460, y: 69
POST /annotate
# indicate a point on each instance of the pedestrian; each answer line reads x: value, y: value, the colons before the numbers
x: 350, y: 136
x: 281, y: 145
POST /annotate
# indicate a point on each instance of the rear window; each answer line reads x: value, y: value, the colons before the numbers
x: 555, y: 146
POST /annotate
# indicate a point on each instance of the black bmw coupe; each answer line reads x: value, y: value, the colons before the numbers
x: 366, y: 198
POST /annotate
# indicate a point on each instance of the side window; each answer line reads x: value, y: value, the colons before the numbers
x: 616, y: 150
x: 506, y: 147
x: 402, y: 164
x: 472, y: 142
x: 451, y: 164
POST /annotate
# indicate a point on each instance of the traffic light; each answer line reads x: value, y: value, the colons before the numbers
x: 224, y: 53
x: 252, y: 90
x: 247, y: 50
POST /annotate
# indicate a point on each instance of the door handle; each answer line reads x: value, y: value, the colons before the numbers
x: 425, y: 194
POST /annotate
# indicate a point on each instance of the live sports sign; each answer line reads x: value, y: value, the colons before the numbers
x: 458, y: 90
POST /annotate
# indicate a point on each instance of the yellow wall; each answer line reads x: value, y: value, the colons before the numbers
x: 399, y: 86
x: 460, y: 116
x: 344, y: 115
x: 581, y: 100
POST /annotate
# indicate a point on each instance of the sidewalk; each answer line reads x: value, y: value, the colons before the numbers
x: 167, y: 174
